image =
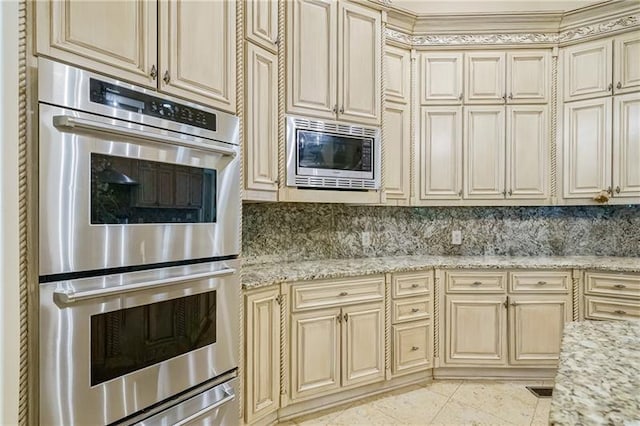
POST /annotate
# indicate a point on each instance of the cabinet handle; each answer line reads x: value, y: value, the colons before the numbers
x: 610, y: 190
x: 334, y: 109
x: 510, y: 95
x: 504, y: 97
x: 619, y: 85
x: 414, y: 348
x: 414, y: 310
x: 506, y: 302
x: 346, y: 317
x: 542, y: 282
x: 277, y: 181
x: 610, y: 88
x: 154, y: 72
x: 415, y: 285
x: 504, y: 193
x: 344, y: 293
x: 276, y: 41
x: 617, y: 189
x: 619, y: 312
x: 461, y: 96
x: 476, y: 283
x: 510, y: 193
x: 342, y: 109
x: 339, y: 317
x: 167, y: 77
x: 620, y: 286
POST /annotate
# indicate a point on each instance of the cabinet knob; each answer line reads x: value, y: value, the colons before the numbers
x: 154, y: 72
x: 415, y: 285
x: 461, y: 96
x: 610, y: 190
x: 619, y: 312
x: 542, y: 282
x: 504, y: 193
x: 506, y: 302
x: 510, y: 95
x: 414, y: 310
x: 346, y: 317
x: 617, y: 189
x: 334, y: 109
x: 476, y: 283
x: 510, y: 193
x: 339, y: 317
x: 619, y: 85
x: 620, y: 286
x: 460, y: 193
x: 504, y: 97
x: 276, y: 41
x: 277, y: 181
x: 167, y: 77
x: 610, y: 88
x: 342, y: 109
x: 344, y: 293
x: 414, y: 348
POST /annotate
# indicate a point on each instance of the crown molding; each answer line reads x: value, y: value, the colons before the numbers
x: 488, y: 23
x: 600, y: 29
x: 598, y: 13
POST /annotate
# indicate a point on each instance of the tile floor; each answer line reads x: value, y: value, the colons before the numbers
x: 443, y: 402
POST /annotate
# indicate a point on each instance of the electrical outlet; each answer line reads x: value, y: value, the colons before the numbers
x: 456, y: 237
x: 366, y: 239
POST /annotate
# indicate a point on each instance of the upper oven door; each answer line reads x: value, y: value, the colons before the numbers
x: 115, y: 194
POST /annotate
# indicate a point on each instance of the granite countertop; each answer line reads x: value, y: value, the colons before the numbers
x: 259, y: 275
x: 598, y: 379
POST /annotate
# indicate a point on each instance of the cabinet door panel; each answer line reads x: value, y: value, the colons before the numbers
x: 587, y: 70
x: 261, y: 144
x: 626, y: 68
x: 484, y: 152
x: 312, y: 57
x: 397, y: 139
x: 363, y: 344
x: 441, y: 153
x: 626, y: 145
x: 397, y: 74
x: 412, y: 347
x: 528, y: 76
x: 117, y: 38
x: 535, y: 328
x: 315, y: 358
x: 484, y: 73
x: 359, y: 38
x: 198, y: 51
x: 587, y: 147
x: 527, y: 152
x: 262, y: 23
x: 441, y: 78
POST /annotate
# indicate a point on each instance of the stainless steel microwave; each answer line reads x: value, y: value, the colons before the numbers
x: 332, y: 155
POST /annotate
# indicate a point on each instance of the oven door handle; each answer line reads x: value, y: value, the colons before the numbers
x: 70, y: 296
x: 70, y: 123
x: 229, y: 396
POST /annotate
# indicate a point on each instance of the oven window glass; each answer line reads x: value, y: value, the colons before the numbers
x: 127, y: 190
x: 134, y: 338
x: 328, y: 151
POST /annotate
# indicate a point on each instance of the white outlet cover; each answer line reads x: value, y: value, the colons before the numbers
x: 456, y: 237
x: 366, y: 239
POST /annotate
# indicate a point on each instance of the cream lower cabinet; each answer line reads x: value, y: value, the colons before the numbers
x: 611, y: 296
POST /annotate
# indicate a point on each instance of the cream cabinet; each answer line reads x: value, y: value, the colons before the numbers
x: 484, y: 77
x: 262, y: 353
x: 261, y: 23
x: 611, y: 295
x: 528, y: 76
x: 156, y: 44
x: 334, y: 60
x: 397, y: 82
x: 626, y: 68
x: 397, y: 140
x: 441, y: 78
x: 626, y: 146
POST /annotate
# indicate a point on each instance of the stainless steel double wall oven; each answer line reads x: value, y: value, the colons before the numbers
x: 139, y: 204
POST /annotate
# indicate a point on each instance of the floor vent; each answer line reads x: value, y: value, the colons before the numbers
x: 541, y: 391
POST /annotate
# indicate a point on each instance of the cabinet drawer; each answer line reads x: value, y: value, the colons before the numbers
x: 411, y: 284
x: 612, y: 284
x: 476, y: 281
x: 412, y: 347
x: 326, y: 293
x: 410, y: 309
x: 611, y: 309
x: 539, y: 282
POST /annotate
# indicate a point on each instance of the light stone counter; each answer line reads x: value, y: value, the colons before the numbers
x: 260, y: 275
x: 598, y: 379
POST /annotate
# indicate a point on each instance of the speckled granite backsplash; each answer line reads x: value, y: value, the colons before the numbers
x: 292, y: 231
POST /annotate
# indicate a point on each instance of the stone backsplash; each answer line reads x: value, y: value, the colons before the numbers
x: 293, y: 231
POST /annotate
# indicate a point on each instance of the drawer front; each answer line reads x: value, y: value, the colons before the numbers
x: 411, y: 284
x: 539, y: 282
x: 611, y: 309
x: 476, y: 281
x: 329, y: 293
x: 404, y: 310
x: 412, y: 347
x: 612, y: 284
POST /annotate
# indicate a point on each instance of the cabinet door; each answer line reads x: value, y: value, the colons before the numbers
x: 587, y: 147
x: 412, y: 347
x: 484, y: 78
x: 441, y: 78
x: 535, y: 328
x: 587, y: 70
x: 262, y: 354
x: 312, y: 57
x: 626, y: 145
x: 363, y: 344
x: 198, y: 51
x: 397, y: 75
x: 626, y: 68
x: 528, y: 76
x: 440, y: 153
x: 475, y: 330
x: 262, y: 23
x: 315, y: 353
x: 261, y: 119
x: 359, y: 38
x: 484, y: 152
x: 527, y: 152
x: 397, y: 139
x: 116, y: 38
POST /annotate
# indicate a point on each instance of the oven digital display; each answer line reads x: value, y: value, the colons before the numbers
x: 318, y: 150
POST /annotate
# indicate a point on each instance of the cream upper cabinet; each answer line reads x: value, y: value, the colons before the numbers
x: 587, y: 148
x: 528, y: 76
x: 484, y: 77
x: 190, y: 67
x: 626, y: 145
x: 116, y: 38
x: 363, y: 344
x: 440, y: 78
x: 588, y: 70
x: 440, y: 153
x: 626, y: 68
x: 397, y: 82
x: 484, y: 148
x: 261, y: 23
x: 397, y: 153
x: 261, y: 121
x: 527, y: 152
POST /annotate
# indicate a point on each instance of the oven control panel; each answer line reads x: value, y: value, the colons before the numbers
x: 122, y: 98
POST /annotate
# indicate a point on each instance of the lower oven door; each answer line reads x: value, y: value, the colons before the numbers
x: 111, y: 346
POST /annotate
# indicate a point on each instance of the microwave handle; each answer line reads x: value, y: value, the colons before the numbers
x: 149, y: 134
x: 70, y: 296
x: 229, y: 396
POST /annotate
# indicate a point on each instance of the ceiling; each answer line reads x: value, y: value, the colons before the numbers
x: 424, y: 7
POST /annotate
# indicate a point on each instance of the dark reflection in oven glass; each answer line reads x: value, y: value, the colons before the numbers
x: 130, y: 339
x: 128, y: 190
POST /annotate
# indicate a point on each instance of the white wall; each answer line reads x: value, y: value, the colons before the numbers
x: 9, y: 293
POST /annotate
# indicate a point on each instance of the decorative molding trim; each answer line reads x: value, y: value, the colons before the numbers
x: 240, y: 92
x: 599, y: 29
x: 397, y: 36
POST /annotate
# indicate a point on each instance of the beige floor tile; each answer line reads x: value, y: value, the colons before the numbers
x: 541, y: 416
x: 456, y: 413
x: 365, y: 414
x: 323, y: 417
x: 444, y: 387
x: 416, y: 407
